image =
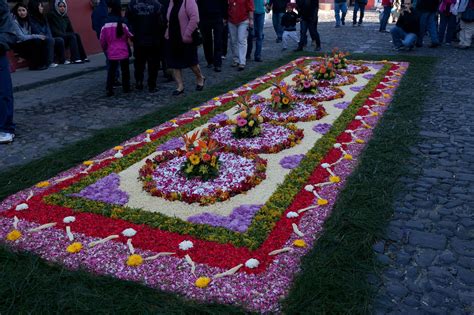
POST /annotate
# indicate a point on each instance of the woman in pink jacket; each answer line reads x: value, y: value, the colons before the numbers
x: 114, y: 38
x: 183, y: 19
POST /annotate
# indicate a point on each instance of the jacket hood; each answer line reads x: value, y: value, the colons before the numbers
x: 56, y: 7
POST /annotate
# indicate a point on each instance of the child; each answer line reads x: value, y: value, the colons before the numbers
x: 114, y: 38
x: 288, y: 22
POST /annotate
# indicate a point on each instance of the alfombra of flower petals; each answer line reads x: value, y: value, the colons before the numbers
x: 322, y: 128
x: 105, y: 190
x: 300, y: 112
x: 356, y: 88
x: 172, y: 144
x: 291, y: 161
x: 326, y: 93
x: 354, y: 69
x: 219, y: 118
x: 238, y: 221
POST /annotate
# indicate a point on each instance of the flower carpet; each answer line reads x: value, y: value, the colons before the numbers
x: 236, y: 239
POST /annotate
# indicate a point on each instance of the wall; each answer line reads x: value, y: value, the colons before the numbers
x: 79, y: 11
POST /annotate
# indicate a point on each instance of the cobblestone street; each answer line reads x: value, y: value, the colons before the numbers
x: 428, y: 250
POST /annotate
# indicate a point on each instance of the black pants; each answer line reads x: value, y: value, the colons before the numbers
x: 74, y: 43
x: 225, y: 39
x: 35, y: 51
x: 148, y: 56
x: 124, y: 66
x: 212, y: 37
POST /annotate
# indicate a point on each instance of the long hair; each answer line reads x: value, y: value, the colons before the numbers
x: 33, y: 11
x: 14, y: 11
x: 116, y: 10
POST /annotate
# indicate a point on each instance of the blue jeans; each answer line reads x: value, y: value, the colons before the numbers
x: 385, y: 16
x: 312, y: 26
x: 401, y: 38
x: 6, y: 97
x: 338, y: 8
x: 447, y: 26
x: 257, y: 33
x: 428, y: 23
x: 276, y: 19
x: 361, y: 8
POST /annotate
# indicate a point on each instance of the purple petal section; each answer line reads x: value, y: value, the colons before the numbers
x: 322, y: 128
x: 342, y: 105
x: 172, y: 144
x: 238, y: 221
x: 105, y: 190
x: 356, y: 88
x: 291, y: 161
x: 368, y: 76
x: 218, y: 118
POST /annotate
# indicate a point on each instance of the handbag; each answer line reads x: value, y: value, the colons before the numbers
x: 197, y: 37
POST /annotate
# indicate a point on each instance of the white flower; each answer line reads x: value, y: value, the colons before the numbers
x: 309, y: 188
x: 218, y: 103
x: 358, y: 117
x: 337, y: 145
x: 252, y: 263
x: 325, y: 165
x: 69, y: 219
x: 291, y: 214
x: 129, y: 232
x: 21, y: 206
x: 118, y: 155
x: 185, y: 245
x: 366, y: 106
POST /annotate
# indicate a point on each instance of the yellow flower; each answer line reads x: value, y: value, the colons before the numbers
x: 215, y: 99
x: 299, y: 243
x: 194, y: 159
x: 260, y: 119
x: 118, y: 148
x: 360, y: 141
x: 251, y: 123
x: 42, y: 184
x: 150, y: 131
x: 347, y: 156
x: 196, y: 108
x: 367, y: 126
x: 375, y: 114
x: 285, y: 100
x: 202, y: 282
x: 13, y: 235
x: 322, y: 202
x: 88, y: 163
x: 334, y: 179
x: 253, y: 111
x: 74, y: 248
x: 243, y: 114
x: 213, y: 161
x: 134, y: 260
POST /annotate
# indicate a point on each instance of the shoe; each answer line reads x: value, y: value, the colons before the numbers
x: 434, y: 45
x: 78, y: 61
x: 110, y: 93
x: 300, y: 48
x: 86, y: 60
x: 343, y: 22
x: 201, y: 87
x: 53, y: 65
x: 66, y: 62
x: 258, y: 59
x: 317, y: 48
x: 177, y: 92
x: 6, y: 137
x: 209, y: 65
x: 234, y: 64
x: 223, y: 57
x: 217, y: 69
x: 284, y: 49
x: 241, y: 67
x: 139, y: 86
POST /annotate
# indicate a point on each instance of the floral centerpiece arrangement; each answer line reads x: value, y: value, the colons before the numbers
x: 324, y: 70
x: 338, y: 58
x: 305, y: 82
x: 202, y: 160
x: 281, y: 98
x: 248, y: 122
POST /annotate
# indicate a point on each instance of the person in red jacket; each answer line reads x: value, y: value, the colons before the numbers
x: 387, y: 8
x: 240, y: 20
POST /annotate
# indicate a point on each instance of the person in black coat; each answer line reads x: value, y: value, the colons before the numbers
x: 404, y: 34
x: 308, y: 13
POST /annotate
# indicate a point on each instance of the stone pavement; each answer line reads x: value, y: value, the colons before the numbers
x: 429, y: 246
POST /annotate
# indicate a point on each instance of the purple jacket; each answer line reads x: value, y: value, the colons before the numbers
x: 115, y: 48
x: 188, y: 16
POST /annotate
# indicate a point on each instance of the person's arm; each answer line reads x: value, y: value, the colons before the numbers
x: 7, y: 34
x: 193, y: 15
x: 69, y: 28
x: 251, y: 9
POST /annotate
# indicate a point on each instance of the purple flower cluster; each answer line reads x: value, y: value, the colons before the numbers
x: 218, y: 118
x: 172, y: 144
x: 106, y: 190
x: 238, y: 221
x: 291, y: 161
x: 368, y: 76
x: 356, y: 88
x: 342, y: 105
x: 322, y: 128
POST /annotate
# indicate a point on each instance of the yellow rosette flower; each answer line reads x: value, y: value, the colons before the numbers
x: 13, y: 235
x: 42, y: 184
x: 251, y: 123
x: 202, y: 282
x: 322, y: 202
x: 74, y: 248
x: 348, y: 156
x: 134, y: 260
x: 285, y: 100
x: 299, y: 243
x: 194, y: 159
x: 334, y: 179
x: 88, y: 163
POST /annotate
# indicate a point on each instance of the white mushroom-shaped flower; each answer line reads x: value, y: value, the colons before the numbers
x: 337, y: 145
x: 252, y: 263
x: 185, y: 245
x: 358, y: 117
x: 129, y: 232
x: 69, y: 219
x: 325, y: 165
x: 21, y: 206
x: 291, y: 215
x: 309, y: 188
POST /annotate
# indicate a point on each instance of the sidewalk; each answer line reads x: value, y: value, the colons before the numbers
x: 24, y: 79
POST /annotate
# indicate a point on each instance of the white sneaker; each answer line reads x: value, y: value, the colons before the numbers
x: 67, y: 62
x: 6, y: 137
x: 53, y: 65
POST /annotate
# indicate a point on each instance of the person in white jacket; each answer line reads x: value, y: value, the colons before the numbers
x: 464, y: 9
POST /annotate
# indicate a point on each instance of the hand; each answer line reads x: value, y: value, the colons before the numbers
x: 250, y: 23
x: 42, y: 37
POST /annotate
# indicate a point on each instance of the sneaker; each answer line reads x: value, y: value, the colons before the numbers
x: 6, y: 137
x: 223, y: 57
x: 67, y: 62
x: 241, y: 67
x: 78, y: 61
x: 86, y: 60
x: 53, y: 65
x: 234, y: 64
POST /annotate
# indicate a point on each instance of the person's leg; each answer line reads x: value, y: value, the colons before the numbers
x: 432, y: 29
x: 398, y: 34
x: 124, y: 66
x: 337, y: 13
x: 80, y: 47
x: 259, y: 20
x: 207, y: 43
x: 225, y: 39
x: 451, y: 30
x: 153, y: 61
x: 218, y: 38
x: 313, y: 31
x: 6, y: 97
x: 234, y: 43
x: 250, y: 37
x: 276, y: 20
x: 285, y: 40
x: 280, y: 28
x: 71, y: 43
x: 303, y: 36
x: 465, y: 36
x: 344, y: 12
x: 113, y: 65
x: 385, y: 16
x: 199, y: 77
x: 361, y: 16
x: 139, y: 65
x: 36, y: 54
x: 59, y: 49
x: 423, y: 25
x: 443, y: 24
x: 178, y: 77
x: 354, y: 13
x: 242, y: 34
x: 49, y: 50
x: 409, y: 40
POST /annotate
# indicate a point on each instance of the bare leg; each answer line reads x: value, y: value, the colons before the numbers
x: 178, y: 77
x: 199, y: 77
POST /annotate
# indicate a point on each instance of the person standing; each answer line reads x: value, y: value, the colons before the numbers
x: 359, y: 5
x: 240, y: 20
x: 340, y: 6
x: 257, y: 31
x: 308, y: 13
x: 278, y: 9
x: 465, y: 8
x: 212, y: 15
x: 146, y: 23
x: 387, y: 8
x: 447, y: 23
x: 288, y: 21
x: 427, y: 10
x: 7, y: 38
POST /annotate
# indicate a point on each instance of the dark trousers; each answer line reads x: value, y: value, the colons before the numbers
x: 35, y: 51
x: 74, y: 43
x: 55, y: 49
x: 148, y: 56
x: 312, y: 26
x: 225, y: 39
x: 257, y: 33
x: 6, y: 97
x: 358, y: 7
x: 113, y: 66
x: 212, y: 38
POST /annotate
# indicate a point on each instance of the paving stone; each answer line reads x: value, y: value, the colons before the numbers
x: 429, y: 240
x: 447, y: 257
x: 379, y: 246
x: 466, y: 276
x: 466, y: 262
x: 463, y: 247
x: 425, y: 257
x: 397, y: 290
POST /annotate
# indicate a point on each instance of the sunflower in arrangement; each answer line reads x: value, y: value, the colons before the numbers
x: 248, y: 121
x: 202, y: 160
x: 281, y: 98
x: 338, y: 58
x: 305, y: 82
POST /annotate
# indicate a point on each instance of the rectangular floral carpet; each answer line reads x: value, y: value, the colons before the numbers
x: 220, y: 203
